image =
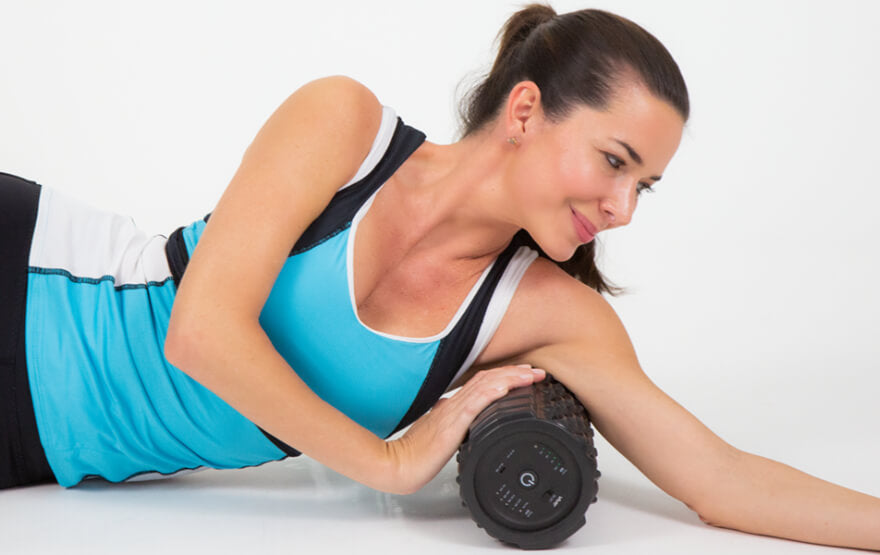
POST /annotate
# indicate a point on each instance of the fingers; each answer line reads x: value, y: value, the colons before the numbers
x: 489, y: 385
x: 506, y: 377
x: 453, y: 415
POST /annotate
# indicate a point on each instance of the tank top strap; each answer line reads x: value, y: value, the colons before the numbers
x: 346, y: 202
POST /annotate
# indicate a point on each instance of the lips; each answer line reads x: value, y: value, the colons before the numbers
x: 585, y: 229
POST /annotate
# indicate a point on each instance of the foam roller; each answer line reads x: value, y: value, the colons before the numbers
x: 527, y: 468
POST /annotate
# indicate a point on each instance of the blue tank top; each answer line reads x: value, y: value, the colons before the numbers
x: 109, y: 404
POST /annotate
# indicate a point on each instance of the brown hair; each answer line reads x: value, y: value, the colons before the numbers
x: 575, y: 58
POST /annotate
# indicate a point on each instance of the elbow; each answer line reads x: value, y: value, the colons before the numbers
x: 185, y: 340
x: 179, y: 349
x: 392, y: 473
x: 403, y: 489
x: 713, y: 503
x: 701, y: 515
x: 397, y: 489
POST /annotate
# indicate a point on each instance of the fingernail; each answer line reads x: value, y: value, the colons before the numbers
x: 524, y: 365
x: 538, y: 371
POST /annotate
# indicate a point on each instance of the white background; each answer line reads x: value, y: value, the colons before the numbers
x: 752, y: 270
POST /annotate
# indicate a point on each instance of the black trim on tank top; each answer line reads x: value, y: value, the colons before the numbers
x: 344, y: 205
x: 175, y: 253
x: 287, y: 449
x: 455, y: 347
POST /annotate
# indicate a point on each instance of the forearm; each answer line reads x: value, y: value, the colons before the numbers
x: 239, y: 363
x: 762, y: 496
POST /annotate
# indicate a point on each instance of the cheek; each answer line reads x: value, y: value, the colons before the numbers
x: 578, y: 177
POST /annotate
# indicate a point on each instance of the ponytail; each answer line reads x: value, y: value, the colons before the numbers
x: 484, y: 101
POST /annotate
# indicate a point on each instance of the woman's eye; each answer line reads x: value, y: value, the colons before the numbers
x: 644, y: 188
x: 615, y: 162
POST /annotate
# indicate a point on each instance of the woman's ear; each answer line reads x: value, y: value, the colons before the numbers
x: 523, y: 104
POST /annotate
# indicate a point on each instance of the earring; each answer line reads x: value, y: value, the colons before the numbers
x: 512, y: 140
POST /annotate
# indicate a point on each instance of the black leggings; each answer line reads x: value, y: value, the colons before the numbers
x: 22, y: 459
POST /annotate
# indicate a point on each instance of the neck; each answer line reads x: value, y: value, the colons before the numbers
x: 461, y: 211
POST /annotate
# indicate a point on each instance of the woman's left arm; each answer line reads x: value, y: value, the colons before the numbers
x: 594, y: 357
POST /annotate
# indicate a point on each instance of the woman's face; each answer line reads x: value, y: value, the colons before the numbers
x: 581, y: 169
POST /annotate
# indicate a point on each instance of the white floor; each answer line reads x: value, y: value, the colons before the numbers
x: 298, y: 506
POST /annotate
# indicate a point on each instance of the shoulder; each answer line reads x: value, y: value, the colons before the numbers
x: 557, y: 306
x: 344, y: 109
x: 331, y: 121
x: 352, y: 111
x: 548, y: 308
x: 345, y: 102
x: 341, y: 89
x: 343, y: 93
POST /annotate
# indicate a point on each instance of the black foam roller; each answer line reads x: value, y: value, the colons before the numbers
x: 527, y: 468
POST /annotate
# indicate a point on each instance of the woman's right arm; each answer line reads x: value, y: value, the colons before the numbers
x: 309, y: 147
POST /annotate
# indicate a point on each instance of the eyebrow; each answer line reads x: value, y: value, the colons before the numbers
x: 638, y: 159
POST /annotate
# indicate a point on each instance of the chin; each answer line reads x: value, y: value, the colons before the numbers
x: 560, y: 255
x: 557, y: 251
x: 570, y: 256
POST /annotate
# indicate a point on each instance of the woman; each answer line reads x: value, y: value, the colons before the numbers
x: 281, y: 333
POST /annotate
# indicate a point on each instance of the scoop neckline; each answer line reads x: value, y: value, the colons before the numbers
x: 349, y: 266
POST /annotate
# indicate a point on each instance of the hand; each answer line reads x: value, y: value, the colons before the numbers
x: 431, y: 441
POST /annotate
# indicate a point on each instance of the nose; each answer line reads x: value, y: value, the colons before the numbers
x: 620, y: 205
